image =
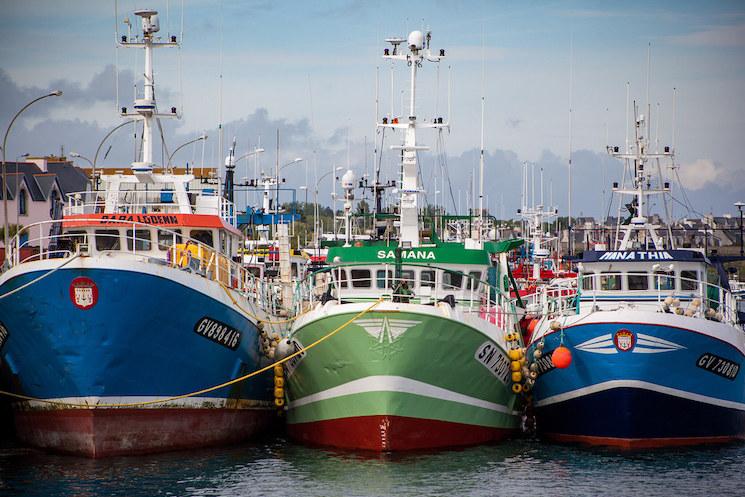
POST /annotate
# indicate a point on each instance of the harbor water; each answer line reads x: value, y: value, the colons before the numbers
x: 279, y: 467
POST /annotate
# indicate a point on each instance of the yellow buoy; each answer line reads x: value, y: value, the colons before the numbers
x: 279, y: 381
x: 517, y: 388
x: 279, y: 392
x: 514, y: 354
x: 279, y: 370
x: 515, y: 365
x: 517, y: 376
x: 279, y: 401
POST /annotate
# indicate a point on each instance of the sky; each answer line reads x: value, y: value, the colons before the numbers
x: 313, y: 70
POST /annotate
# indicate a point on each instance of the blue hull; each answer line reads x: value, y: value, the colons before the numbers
x: 138, y: 340
x: 662, y: 386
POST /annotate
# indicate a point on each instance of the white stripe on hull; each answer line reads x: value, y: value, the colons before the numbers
x: 643, y: 385
x: 397, y: 384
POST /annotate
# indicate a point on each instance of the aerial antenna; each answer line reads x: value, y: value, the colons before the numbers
x: 219, y: 92
x: 571, y: 94
x: 481, y: 153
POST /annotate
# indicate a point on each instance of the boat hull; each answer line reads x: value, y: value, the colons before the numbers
x: 395, y: 380
x: 656, y: 381
x: 138, y: 339
x: 117, y: 432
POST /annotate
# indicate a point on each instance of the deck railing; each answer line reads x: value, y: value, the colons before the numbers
x: 168, y: 248
x: 699, y: 299
x: 474, y: 296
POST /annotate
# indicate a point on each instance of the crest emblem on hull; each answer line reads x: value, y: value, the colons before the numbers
x: 83, y: 292
x: 386, y: 330
x: 624, y: 340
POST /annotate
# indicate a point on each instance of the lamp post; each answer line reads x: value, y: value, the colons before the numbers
x: 94, y: 180
x: 279, y: 169
x: 316, y: 212
x: 170, y: 157
x: 255, y: 152
x: 78, y: 156
x: 740, y: 206
x: 55, y: 93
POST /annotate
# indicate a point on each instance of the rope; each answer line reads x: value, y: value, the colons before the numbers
x: 204, y: 390
x: 36, y: 280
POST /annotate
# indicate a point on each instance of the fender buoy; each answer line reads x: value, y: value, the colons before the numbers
x: 562, y: 357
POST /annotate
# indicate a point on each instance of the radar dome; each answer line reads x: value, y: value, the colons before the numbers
x: 416, y: 40
x: 347, y: 181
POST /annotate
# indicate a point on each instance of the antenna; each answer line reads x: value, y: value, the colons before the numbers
x: 481, y: 153
x: 571, y: 95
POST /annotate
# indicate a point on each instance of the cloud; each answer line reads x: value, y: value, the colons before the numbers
x: 714, y: 36
x: 699, y: 174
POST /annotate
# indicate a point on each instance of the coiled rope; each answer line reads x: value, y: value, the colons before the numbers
x: 204, y: 390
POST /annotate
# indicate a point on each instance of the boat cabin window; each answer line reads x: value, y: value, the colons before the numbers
x: 427, y: 278
x: 76, y: 238
x: 452, y: 280
x: 341, y: 275
x: 473, y: 280
x: 638, y: 281
x: 409, y: 277
x: 588, y: 281
x: 107, y: 240
x: 689, y: 280
x: 664, y: 280
x: 223, y: 242
x: 203, y: 236
x: 360, y: 278
x: 166, y: 238
x: 610, y: 281
x: 140, y: 239
x: 382, y: 281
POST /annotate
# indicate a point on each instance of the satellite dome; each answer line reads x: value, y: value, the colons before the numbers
x: 416, y: 40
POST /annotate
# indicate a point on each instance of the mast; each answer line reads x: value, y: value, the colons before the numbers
x: 641, y: 188
x: 410, y: 190
x: 145, y: 108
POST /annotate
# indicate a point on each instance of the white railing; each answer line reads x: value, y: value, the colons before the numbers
x: 686, y: 296
x: 473, y: 296
x: 174, y: 250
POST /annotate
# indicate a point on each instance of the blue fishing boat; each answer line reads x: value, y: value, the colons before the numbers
x: 112, y: 317
x: 648, y: 338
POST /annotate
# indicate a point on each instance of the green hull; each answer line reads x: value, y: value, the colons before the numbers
x: 398, y: 380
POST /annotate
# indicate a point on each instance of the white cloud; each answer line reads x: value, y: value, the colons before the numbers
x: 697, y: 175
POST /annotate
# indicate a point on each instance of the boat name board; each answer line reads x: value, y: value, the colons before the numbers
x: 637, y: 255
x: 493, y: 359
x: 718, y: 365
x: 4, y: 334
x: 218, y: 332
x: 407, y: 254
x: 161, y: 219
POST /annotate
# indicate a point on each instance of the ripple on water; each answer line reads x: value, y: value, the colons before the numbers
x: 525, y: 467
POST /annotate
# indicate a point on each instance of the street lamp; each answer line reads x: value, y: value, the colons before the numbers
x: 78, y: 156
x: 276, y: 196
x: 95, y: 156
x: 316, y: 212
x: 199, y: 138
x: 55, y: 93
x: 740, y: 206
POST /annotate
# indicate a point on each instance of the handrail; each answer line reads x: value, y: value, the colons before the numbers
x: 219, y: 267
x: 566, y: 297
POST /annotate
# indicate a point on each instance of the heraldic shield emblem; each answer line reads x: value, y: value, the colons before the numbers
x: 624, y: 340
x: 83, y: 292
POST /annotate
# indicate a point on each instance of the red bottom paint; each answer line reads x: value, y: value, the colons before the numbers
x: 639, y: 443
x: 392, y: 433
x: 116, y: 432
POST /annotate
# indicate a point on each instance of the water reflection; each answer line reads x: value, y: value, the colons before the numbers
x: 278, y: 467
